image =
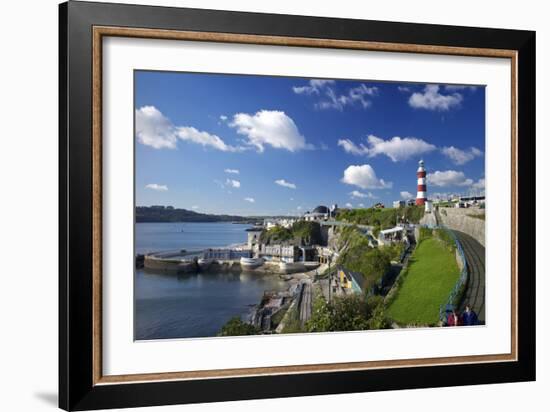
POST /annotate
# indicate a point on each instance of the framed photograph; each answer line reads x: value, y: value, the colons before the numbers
x: 257, y: 205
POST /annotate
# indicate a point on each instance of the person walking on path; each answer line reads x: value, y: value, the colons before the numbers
x: 469, y: 317
x: 453, y: 319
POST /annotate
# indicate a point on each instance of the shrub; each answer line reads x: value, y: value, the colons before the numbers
x: 384, y: 218
x: 394, y: 251
x: 425, y: 233
x: 371, y: 263
x: 301, y: 233
x: 307, y: 233
x: 276, y: 234
x: 346, y: 313
x: 236, y: 327
x: 320, y: 320
x: 446, y: 237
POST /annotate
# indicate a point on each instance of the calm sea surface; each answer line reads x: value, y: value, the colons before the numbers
x: 192, y: 305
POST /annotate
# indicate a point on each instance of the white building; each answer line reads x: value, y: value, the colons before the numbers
x: 317, y: 214
x: 253, y: 236
x: 428, y: 206
x: 389, y: 236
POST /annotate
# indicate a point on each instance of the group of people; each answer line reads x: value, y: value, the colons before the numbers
x: 467, y: 318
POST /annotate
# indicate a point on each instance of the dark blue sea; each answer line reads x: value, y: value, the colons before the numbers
x: 192, y: 305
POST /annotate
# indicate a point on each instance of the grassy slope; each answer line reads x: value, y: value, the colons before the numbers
x: 432, y: 274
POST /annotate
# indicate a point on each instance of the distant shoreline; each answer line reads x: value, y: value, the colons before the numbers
x: 198, y: 221
x: 169, y: 214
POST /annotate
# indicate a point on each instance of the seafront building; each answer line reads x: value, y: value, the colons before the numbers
x: 253, y: 237
x: 227, y: 253
x: 321, y: 213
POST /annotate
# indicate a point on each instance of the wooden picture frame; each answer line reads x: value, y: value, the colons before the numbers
x: 83, y: 25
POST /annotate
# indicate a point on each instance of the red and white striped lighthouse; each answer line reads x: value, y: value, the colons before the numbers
x: 421, y: 194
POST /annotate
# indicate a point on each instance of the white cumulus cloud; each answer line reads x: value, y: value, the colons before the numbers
x: 156, y: 130
x: 157, y: 187
x: 357, y: 95
x: 349, y: 205
x: 329, y: 98
x: 284, y: 183
x: 448, y: 178
x: 355, y: 149
x: 314, y: 86
x: 249, y: 199
x: 270, y: 127
x: 432, y: 99
x: 364, y: 177
x: 204, y: 138
x: 232, y: 171
x: 460, y: 157
x: 396, y: 148
x: 479, y: 185
x: 356, y: 194
x: 406, y: 195
x: 233, y: 183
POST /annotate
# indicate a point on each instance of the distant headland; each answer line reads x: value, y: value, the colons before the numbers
x: 159, y: 214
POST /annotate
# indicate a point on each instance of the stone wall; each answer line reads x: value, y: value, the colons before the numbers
x: 428, y: 219
x: 458, y: 219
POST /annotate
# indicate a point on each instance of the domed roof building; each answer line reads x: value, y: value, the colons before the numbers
x: 320, y: 209
x: 320, y: 213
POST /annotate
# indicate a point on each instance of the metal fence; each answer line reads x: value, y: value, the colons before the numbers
x: 460, y: 283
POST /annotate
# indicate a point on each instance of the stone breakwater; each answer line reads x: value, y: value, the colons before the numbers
x: 462, y: 220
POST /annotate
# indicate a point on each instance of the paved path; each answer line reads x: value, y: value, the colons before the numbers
x: 474, y: 253
x: 305, y: 303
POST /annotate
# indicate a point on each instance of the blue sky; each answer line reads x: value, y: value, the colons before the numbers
x: 263, y: 145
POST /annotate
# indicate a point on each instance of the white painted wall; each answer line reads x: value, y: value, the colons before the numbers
x: 28, y: 179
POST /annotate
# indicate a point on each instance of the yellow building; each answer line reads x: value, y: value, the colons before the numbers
x: 352, y: 280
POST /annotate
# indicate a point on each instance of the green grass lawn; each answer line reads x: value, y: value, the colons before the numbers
x: 431, y: 276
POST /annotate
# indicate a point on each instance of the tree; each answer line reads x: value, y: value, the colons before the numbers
x: 345, y: 313
x: 349, y: 313
x: 377, y: 318
x: 373, y: 264
x: 321, y: 314
x: 393, y: 251
x: 236, y: 327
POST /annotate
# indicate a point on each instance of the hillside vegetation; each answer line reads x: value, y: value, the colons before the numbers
x: 171, y: 214
x: 357, y: 256
x: 301, y: 233
x: 381, y: 218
